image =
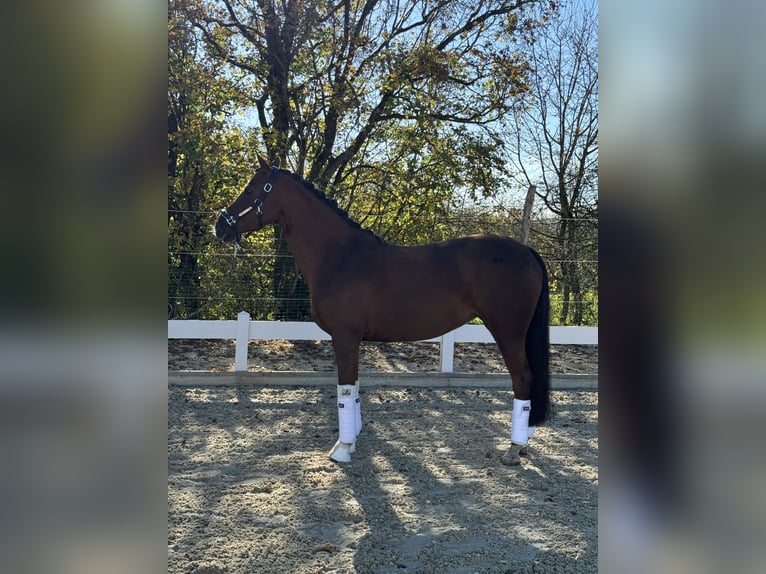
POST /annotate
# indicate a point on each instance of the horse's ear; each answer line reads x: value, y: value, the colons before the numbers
x: 275, y: 162
x: 263, y: 162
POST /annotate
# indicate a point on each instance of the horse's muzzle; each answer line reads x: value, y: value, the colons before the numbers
x: 224, y: 231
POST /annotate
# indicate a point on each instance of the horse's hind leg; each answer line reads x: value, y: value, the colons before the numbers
x: 512, y: 347
x: 349, y: 416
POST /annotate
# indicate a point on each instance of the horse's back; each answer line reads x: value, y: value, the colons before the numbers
x: 448, y: 266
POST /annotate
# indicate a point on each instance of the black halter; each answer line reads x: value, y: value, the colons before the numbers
x: 232, y: 219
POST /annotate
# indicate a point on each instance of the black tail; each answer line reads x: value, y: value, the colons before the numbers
x: 537, y: 349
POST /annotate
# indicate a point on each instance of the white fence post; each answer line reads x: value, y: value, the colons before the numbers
x: 243, y: 337
x: 448, y: 351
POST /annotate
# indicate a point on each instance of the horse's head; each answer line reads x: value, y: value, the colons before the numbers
x: 252, y: 209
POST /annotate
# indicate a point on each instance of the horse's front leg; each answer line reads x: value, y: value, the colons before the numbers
x: 349, y: 413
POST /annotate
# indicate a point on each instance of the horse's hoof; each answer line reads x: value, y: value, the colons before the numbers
x: 511, y: 458
x: 341, y: 452
x: 514, y: 454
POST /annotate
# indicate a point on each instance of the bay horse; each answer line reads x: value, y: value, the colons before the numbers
x: 365, y: 289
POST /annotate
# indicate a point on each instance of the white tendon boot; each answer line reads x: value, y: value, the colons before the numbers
x: 342, y: 450
x: 520, y: 432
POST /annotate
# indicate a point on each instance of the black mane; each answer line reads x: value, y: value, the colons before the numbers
x: 328, y: 201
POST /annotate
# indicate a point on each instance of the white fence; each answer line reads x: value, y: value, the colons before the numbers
x: 243, y: 330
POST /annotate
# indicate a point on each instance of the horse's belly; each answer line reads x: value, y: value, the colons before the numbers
x: 414, y: 322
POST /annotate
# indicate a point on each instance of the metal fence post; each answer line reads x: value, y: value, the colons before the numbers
x: 447, y: 351
x: 243, y: 337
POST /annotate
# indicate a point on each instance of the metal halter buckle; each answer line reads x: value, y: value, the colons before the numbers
x: 230, y: 219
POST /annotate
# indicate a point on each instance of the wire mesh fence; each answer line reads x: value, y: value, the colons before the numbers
x: 211, y: 280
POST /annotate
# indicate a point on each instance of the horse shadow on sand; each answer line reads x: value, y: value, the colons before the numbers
x: 425, y: 491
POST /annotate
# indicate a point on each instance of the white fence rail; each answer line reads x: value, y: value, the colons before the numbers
x: 243, y: 330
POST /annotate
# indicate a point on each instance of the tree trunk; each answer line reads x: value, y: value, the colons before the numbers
x: 190, y: 285
x: 563, y: 254
x: 574, y: 274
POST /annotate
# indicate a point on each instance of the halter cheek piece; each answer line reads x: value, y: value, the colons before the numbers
x: 232, y: 219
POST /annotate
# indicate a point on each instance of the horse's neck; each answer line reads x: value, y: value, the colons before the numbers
x: 313, y: 231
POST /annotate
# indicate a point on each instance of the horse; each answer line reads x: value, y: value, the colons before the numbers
x: 363, y: 288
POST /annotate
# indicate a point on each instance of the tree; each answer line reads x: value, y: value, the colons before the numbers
x: 556, y: 127
x: 204, y: 156
x: 324, y: 77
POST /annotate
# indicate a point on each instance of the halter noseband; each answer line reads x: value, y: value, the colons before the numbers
x: 232, y: 219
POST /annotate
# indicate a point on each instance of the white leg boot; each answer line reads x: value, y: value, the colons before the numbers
x: 342, y: 450
x: 520, y: 432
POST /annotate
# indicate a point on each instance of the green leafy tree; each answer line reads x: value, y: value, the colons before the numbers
x: 206, y: 157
